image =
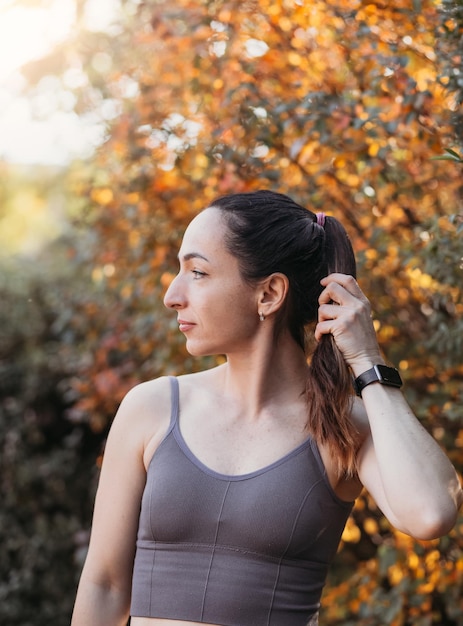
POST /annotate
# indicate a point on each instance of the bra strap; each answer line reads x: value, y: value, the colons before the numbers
x: 174, y: 402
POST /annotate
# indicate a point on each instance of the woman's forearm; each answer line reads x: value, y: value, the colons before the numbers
x: 100, y: 605
x: 419, y: 482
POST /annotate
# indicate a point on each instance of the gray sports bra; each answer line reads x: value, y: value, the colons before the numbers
x: 248, y: 550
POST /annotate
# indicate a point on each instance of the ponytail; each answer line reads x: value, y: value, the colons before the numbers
x: 329, y: 386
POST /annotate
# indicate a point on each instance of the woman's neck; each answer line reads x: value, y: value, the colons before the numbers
x: 271, y: 372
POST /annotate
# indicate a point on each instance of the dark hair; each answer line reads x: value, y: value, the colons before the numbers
x: 268, y: 232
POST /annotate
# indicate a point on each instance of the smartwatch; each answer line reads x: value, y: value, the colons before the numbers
x: 378, y: 374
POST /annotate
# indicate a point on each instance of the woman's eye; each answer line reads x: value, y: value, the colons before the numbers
x: 197, y: 273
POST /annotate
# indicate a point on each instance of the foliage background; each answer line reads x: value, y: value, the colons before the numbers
x: 339, y: 104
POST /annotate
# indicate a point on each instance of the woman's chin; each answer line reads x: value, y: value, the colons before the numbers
x: 198, y: 351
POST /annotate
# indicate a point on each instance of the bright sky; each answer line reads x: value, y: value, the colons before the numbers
x: 28, y: 30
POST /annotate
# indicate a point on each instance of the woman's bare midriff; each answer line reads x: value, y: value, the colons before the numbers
x: 155, y: 621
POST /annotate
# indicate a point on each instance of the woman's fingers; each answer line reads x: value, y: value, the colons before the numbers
x: 345, y: 313
x: 339, y: 288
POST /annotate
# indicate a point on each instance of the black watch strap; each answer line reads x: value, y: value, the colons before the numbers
x: 378, y: 374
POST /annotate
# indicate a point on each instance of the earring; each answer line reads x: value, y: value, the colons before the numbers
x: 261, y: 316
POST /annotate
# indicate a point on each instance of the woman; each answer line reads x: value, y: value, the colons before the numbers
x: 223, y: 494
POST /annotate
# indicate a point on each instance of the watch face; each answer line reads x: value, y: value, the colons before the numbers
x: 389, y: 375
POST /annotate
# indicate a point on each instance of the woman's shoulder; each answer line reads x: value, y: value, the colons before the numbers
x: 154, y: 397
x: 144, y: 413
x: 147, y: 398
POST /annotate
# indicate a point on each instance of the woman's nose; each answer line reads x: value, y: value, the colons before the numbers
x: 173, y: 298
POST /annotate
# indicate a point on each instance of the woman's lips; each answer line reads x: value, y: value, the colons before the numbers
x: 184, y: 325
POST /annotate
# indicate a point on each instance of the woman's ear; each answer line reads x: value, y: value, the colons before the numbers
x: 273, y: 293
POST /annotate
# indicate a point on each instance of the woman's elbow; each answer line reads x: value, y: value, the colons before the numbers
x: 434, y: 523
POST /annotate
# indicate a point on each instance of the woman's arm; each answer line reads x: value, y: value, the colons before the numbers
x: 401, y: 465
x: 103, y: 596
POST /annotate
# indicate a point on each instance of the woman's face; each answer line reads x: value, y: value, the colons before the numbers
x: 217, y: 311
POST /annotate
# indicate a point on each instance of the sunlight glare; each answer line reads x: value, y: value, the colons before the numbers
x: 27, y: 33
x: 42, y: 127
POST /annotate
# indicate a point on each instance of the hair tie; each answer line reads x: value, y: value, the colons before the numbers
x: 321, y: 219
